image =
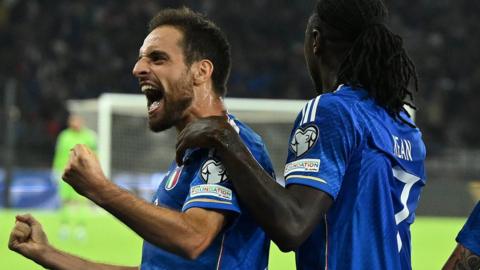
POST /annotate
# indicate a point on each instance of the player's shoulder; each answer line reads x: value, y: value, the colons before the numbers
x: 90, y: 132
x: 62, y: 134
x: 325, y: 107
x: 247, y: 134
x: 250, y: 138
x: 65, y: 135
x: 344, y: 97
x: 253, y: 141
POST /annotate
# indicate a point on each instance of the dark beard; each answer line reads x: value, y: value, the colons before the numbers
x: 174, y: 109
x: 173, y: 113
x: 159, y: 127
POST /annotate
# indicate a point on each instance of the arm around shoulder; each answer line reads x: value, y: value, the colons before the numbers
x: 288, y: 216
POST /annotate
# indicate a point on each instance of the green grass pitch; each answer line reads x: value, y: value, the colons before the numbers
x: 112, y: 242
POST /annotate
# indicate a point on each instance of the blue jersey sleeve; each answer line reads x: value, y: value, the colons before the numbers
x: 320, y: 145
x: 469, y: 236
x: 211, y: 188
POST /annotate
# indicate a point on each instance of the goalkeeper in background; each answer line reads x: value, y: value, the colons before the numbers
x: 194, y: 220
x: 73, y: 205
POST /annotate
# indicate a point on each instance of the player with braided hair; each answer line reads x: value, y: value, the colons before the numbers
x: 355, y: 165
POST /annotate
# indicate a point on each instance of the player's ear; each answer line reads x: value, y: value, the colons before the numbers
x: 316, y: 40
x: 202, y: 71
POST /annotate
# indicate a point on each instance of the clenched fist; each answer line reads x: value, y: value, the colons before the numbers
x: 28, y: 238
x: 83, y: 172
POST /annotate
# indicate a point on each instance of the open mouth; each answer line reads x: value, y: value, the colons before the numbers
x: 154, y: 96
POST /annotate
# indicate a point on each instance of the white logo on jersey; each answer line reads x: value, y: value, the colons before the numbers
x: 303, y: 140
x: 402, y: 148
x: 213, y: 172
x: 211, y: 190
x: 309, y: 112
x: 302, y: 165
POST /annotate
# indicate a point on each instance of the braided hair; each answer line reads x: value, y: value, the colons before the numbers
x: 376, y: 61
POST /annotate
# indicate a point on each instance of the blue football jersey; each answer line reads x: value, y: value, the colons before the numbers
x: 203, y: 182
x: 469, y: 236
x: 372, y: 165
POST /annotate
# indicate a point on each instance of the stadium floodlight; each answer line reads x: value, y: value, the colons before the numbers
x: 125, y: 145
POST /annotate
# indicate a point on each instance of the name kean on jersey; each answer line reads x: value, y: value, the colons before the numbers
x: 402, y: 148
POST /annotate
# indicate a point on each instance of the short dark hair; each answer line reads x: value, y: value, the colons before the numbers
x: 376, y: 60
x: 202, y: 39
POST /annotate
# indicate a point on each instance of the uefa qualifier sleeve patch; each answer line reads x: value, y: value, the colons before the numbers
x: 210, y: 189
x: 213, y: 171
x: 304, y: 139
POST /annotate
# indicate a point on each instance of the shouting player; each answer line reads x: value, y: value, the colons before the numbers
x: 355, y: 164
x: 195, y: 221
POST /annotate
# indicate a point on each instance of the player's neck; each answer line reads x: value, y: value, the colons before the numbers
x: 203, y: 105
x: 76, y: 130
x: 329, y: 78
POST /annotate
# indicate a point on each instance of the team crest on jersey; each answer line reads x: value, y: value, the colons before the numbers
x: 304, y: 139
x: 173, y: 178
x: 213, y: 171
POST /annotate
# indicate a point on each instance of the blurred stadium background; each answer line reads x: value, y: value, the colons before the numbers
x: 59, y: 57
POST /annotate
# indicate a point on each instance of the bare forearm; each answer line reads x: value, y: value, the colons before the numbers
x: 279, y: 211
x: 289, y: 215
x: 160, y: 226
x: 462, y: 259
x: 58, y: 260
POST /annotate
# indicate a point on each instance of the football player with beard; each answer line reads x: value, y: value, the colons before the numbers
x: 195, y: 220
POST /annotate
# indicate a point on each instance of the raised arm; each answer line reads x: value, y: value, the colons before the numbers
x: 187, y: 233
x: 289, y: 215
x: 28, y: 239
